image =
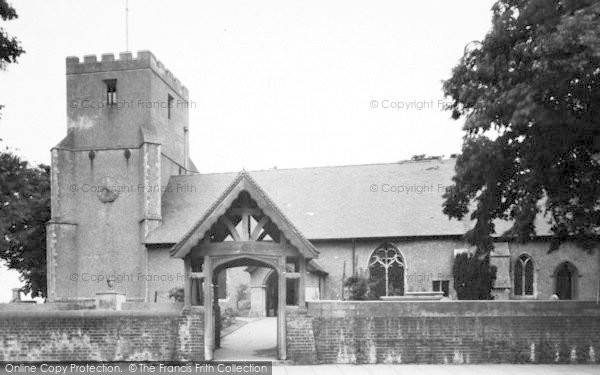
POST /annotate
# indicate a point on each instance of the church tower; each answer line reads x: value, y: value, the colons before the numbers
x: 127, y: 133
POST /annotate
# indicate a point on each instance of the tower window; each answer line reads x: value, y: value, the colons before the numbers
x: 111, y: 91
x: 169, y: 105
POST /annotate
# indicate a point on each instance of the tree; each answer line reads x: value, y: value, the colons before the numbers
x: 241, y: 294
x: 10, y: 48
x: 529, y: 94
x: 473, y: 277
x: 24, y: 212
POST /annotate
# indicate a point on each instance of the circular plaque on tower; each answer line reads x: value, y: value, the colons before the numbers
x: 107, y: 190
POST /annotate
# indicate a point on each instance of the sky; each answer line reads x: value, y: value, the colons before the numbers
x: 272, y: 83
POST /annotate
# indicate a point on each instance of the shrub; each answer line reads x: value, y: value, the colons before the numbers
x: 227, y: 317
x: 473, y: 277
x: 176, y: 294
x: 358, y: 288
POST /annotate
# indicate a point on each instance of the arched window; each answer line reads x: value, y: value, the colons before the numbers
x: 386, y: 271
x: 523, y: 276
x: 565, y: 280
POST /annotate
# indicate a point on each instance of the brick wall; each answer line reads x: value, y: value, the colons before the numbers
x: 325, y: 332
x: 300, y: 338
x: 191, y: 334
x: 453, y: 332
x: 92, y: 335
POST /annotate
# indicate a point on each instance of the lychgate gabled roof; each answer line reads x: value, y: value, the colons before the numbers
x: 243, y: 183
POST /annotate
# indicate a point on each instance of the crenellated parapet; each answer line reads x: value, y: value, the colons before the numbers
x: 107, y: 62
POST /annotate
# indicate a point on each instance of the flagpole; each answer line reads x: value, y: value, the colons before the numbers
x: 127, y: 25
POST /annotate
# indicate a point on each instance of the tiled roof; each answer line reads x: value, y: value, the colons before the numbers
x: 361, y: 201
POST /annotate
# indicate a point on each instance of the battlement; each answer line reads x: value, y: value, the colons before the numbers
x: 107, y: 63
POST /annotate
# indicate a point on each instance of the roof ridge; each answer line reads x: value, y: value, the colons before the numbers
x: 319, y: 167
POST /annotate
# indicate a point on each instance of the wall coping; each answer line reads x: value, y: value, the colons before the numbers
x: 86, y: 314
x: 452, y: 308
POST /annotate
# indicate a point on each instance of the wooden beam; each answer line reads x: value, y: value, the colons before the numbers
x: 245, y: 235
x: 282, y: 239
x: 259, y: 227
x: 281, y: 318
x: 245, y: 247
x: 302, y: 282
x: 187, y: 286
x: 234, y: 233
x: 245, y: 211
x: 209, y: 326
x: 262, y: 236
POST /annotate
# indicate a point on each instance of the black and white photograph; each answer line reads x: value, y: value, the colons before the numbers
x: 285, y: 187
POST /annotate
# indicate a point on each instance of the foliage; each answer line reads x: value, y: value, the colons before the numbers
x: 358, y: 288
x: 177, y: 294
x: 10, y: 48
x: 421, y: 157
x: 244, y: 307
x: 473, y: 277
x: 24, y: 212
x: 529, y: 93
x: 241, y: 294
x: 228, y: 316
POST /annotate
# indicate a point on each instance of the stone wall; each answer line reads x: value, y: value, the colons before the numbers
x: 109, y: 173
x: 170, y: 274
x: 43, y: 334
x: 428, y: 260
x: 545, y: 264
x: 447, y: 332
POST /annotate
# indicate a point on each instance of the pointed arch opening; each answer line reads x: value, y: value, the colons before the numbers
x: 524, y: 276
x: 386, y: 271
x: 565, y: 285
x: 264, y: 330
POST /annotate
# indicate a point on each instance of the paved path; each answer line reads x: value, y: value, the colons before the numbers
x: 255, y: 341
x: 437, y: 370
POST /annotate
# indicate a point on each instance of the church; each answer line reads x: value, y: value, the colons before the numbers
x: 129, y: 208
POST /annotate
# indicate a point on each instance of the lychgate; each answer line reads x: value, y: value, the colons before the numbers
x: 243, y: 228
